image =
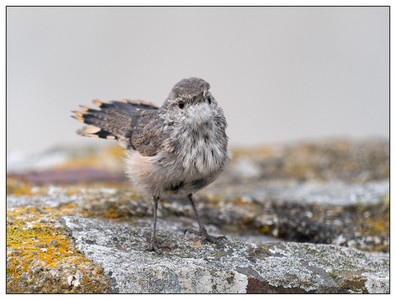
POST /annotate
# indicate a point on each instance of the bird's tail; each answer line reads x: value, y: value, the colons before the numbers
x: 113, y: 119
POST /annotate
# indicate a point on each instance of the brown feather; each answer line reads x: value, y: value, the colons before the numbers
x: 124, y: 120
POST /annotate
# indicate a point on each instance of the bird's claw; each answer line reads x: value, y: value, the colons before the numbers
x: 205, y: 236
x: 154, y: 247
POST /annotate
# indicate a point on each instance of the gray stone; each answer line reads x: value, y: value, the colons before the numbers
x: 234, y: 267
x: 332, y: 192
x: 55, y: 196
x: 338, y: 213
x: 329, y: 193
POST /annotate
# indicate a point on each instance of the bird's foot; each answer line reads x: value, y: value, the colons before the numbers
x: 155, y: 247
x: 206, y: 237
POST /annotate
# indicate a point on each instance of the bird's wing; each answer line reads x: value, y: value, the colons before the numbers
x: 146, y: 136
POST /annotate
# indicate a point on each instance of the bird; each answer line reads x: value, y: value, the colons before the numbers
x: 172, y: 150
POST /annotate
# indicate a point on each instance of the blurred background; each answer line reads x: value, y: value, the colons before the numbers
x: 281, y: 73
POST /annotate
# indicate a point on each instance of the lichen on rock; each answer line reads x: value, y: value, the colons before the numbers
x: 296, y: 218
x: 41, y: 256
x: 234, y: 267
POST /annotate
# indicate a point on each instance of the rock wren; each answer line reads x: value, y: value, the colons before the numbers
x: 172, y: 150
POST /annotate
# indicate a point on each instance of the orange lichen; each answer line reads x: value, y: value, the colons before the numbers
x: 111, y: 213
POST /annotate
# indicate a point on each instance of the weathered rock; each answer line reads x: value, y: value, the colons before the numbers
x: 288, y: 213
x: 234, y: 267
x: 352, y: 161
x: 41, y: 257
x: 329, y: 193
x: 325, y: 194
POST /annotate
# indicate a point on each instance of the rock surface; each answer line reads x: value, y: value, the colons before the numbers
x: 42, y: 258
x: 234, y: 267
x: 302, y: 218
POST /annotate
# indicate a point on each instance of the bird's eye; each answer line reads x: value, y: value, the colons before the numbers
x: 180, y: 104
x: 209, y: 100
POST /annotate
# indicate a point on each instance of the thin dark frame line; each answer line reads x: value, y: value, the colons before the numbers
x: 200, y: 6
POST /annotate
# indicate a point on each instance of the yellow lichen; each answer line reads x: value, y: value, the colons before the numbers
x: 111, y: 155
x: 73, y: 191
x: 115, y: 151
x: 239, y: 201
x: 18, y: 187
x: 265, y: 230
x: 386, y: 201
x: 36, y: 236
x: 377, y: 225
x: 247, y: 220
x: 111, y: 213
x: 89, y: 161
x: 214, y: 198
x: 260, y: 152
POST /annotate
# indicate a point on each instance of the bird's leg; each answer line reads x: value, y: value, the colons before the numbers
x: 153, y: 240
x: 202, y: 230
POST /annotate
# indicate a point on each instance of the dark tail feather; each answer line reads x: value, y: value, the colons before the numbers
x: 112, y: 121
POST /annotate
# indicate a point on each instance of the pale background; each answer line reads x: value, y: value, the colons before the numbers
x: 281, y: 74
